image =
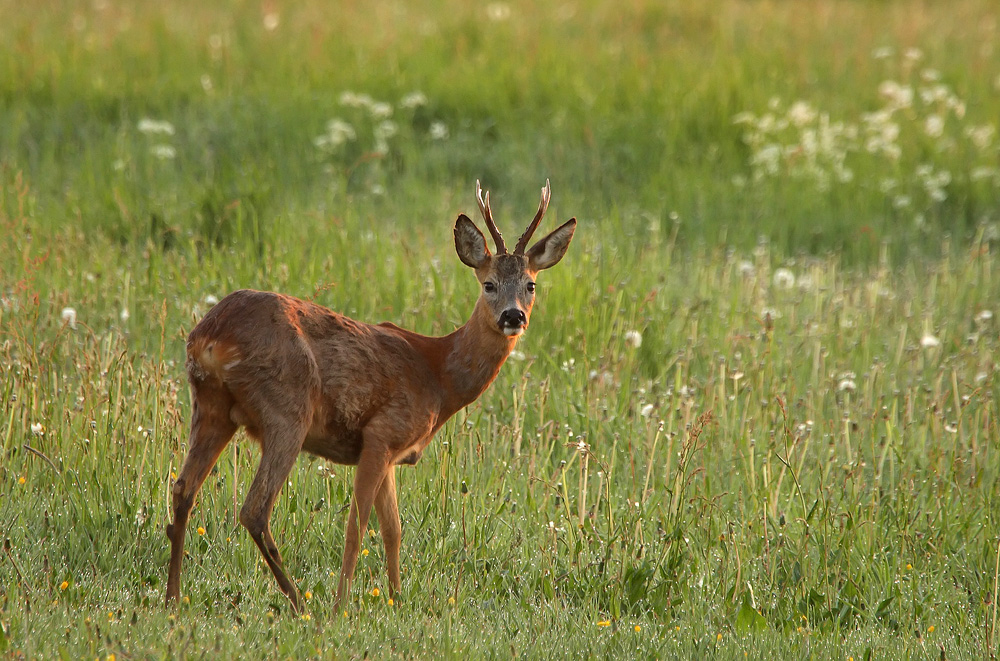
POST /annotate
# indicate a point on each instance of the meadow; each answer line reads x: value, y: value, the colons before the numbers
x: 755, y: 414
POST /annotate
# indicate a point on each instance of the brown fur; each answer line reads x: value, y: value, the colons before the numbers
x: 300, y: 377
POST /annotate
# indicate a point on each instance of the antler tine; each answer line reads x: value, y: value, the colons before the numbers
x: 484, y: 208
x: 522, y: 243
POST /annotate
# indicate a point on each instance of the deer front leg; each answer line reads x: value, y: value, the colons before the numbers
x: 387, y: 510
x: 279, y: 449
x: 372, y: 468
x: 211, y: 430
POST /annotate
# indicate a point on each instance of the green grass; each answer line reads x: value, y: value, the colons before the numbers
x: 786, y: 469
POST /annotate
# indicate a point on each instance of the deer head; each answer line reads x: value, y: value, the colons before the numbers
x: 508, y: 279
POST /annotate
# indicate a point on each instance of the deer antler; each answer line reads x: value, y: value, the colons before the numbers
x: 484, y: 208
x: 522, y: 243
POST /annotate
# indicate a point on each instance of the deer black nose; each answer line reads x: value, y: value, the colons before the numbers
x: 513, y: 318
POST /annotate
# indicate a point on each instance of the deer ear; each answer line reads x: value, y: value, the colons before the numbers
x: 470, y: 243
x: 549, y: 250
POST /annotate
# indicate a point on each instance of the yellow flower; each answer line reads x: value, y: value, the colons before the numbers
x: 391, y: 602
x: 110, y: 657
x: 908, y: 566
x: 201, y: 530
x: 604, y: 623
x: 375, y: 592
x: 638, y: 628
x: 364, y: 552
x: 21, y: 480
x: 308, y: 595
x: 64, y: 585
x: 930, y: 629
x: 718, y: 637
x: 451, y: 601
x: 345, y: 613
x: 185, y: 600
x: 306, y: 617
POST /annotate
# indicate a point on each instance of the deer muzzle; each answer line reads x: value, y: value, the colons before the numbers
x: 512, y: 321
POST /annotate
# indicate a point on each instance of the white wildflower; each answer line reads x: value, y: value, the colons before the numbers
x: 934, y: 126
x: 984, y: 316
x: 801, y: 113
x: 982, y: 173
x: 913, y: 54
x: 271, y: 21
x: 413, y: 100
x: 883, y: 53
x: 438, y: 131
x: 355, y: 100
x: 517, y: 355
x: 746, y: 268
x: 163, y: 152
x: 337, y: 133
x: 210, y: 300
x: 498, y: 11
x: 929, y: 341
x: 784, y: 279
x: 155, y: 127
x: 647, y: 410
x: 385, y: 130
x: 124, y: 315
x: 69, y: 317
x: 981, y: 136
x: 633, y: 338
x: 847, y: 385
x: 380, y: 110
x: 37, y: 429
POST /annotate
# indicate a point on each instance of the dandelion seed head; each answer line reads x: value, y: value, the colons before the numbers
x: 68, y: 316
x: 784, y: 278
x: 633, y: 338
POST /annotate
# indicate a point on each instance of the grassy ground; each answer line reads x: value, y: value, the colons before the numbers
x: 756, y: 410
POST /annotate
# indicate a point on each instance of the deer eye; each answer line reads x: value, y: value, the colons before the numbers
x: 531, y: 287
x: 489, y: 287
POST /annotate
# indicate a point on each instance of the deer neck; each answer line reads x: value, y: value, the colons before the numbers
x: 477, y: 352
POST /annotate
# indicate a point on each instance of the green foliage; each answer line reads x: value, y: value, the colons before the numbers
x: 756, y: 411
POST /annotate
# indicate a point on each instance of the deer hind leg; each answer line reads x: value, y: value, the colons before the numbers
x: 373, y: 466
x: 387, y: 510
x: 279, y: 448
x: 211, y: 431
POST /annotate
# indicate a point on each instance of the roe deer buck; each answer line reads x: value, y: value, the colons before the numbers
x: 301, y: 377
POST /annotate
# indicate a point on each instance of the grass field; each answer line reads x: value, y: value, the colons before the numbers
x: 756, y: 413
